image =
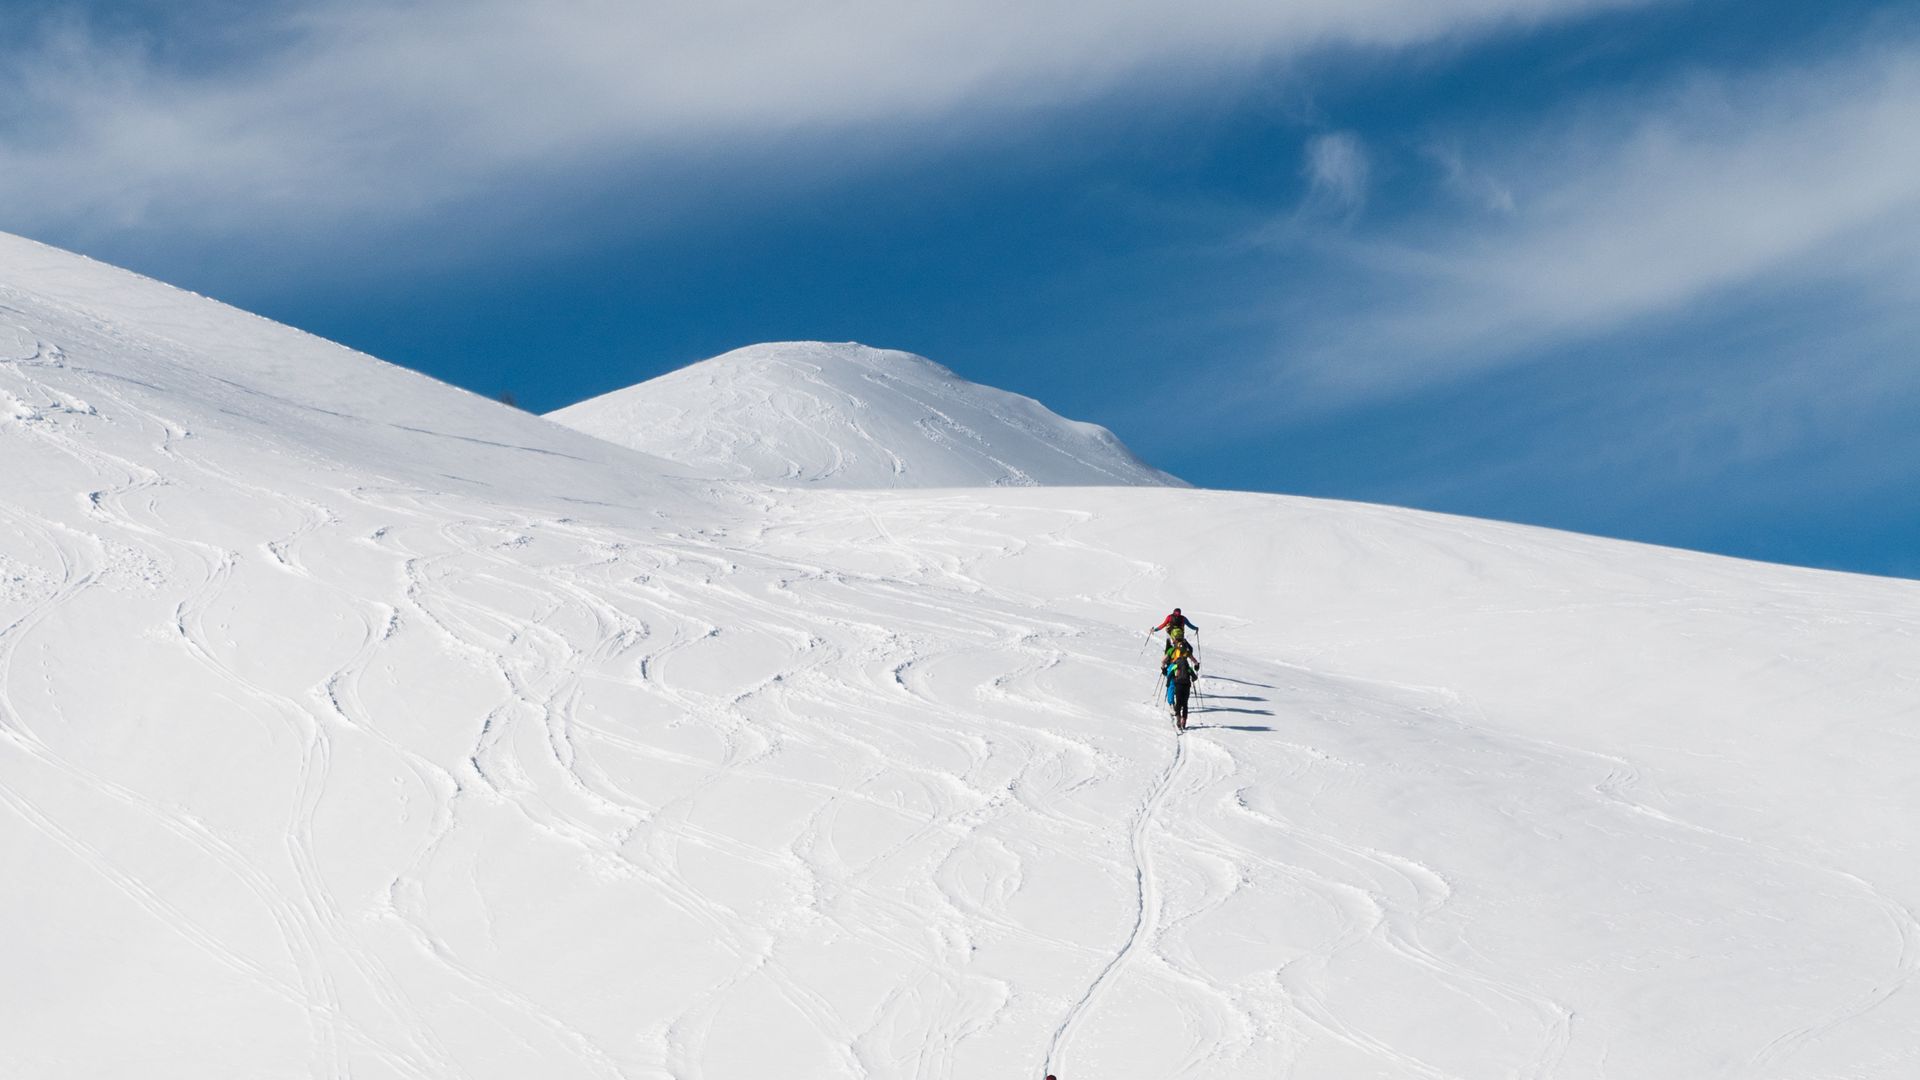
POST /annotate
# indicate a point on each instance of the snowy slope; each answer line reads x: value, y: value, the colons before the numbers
x: 235, y: 377
x: 315, y: 761
x: 848, y: 416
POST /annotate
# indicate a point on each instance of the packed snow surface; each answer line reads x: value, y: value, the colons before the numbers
x: 351, y: 725
x: 847, y: 416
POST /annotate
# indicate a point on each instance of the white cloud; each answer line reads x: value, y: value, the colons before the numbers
x: 1336, y: 170
x: 1478, y: 187
x: 353, y: 106
x: 1637, y: 209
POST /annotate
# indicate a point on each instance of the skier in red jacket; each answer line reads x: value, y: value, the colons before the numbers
x: 1175, y: 621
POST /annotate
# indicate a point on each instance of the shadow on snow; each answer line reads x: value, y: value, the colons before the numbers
x: 1242, y: 682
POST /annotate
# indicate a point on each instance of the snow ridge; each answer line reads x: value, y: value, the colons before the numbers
x: 849, y: 416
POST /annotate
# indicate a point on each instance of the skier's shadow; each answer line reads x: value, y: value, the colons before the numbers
x: 1242, y: 682
x: 1225, y: 708
x: 1228, y: 727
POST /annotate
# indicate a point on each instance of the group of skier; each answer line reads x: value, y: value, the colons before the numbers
x: 1179, y: 666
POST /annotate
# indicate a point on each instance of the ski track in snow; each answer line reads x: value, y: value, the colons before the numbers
x: 849, y: 786
x: 1146, y: 914
x: 301, y: 923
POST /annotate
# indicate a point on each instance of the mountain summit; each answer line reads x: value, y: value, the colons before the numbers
x: 850, y: 416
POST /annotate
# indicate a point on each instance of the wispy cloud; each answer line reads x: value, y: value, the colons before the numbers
x: 1685, y: 313
x: 356, y: 107
x: 1336, y: 170
x: 1634, y: 209
x: 1477, y: 186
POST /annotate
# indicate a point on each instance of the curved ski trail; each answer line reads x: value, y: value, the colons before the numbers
x: 1146, y: 912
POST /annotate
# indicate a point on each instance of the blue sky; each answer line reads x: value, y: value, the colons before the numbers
x: 1644, y: 269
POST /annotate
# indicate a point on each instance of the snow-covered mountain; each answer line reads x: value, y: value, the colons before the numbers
x: 351, y: 725
x: 847, y: 416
